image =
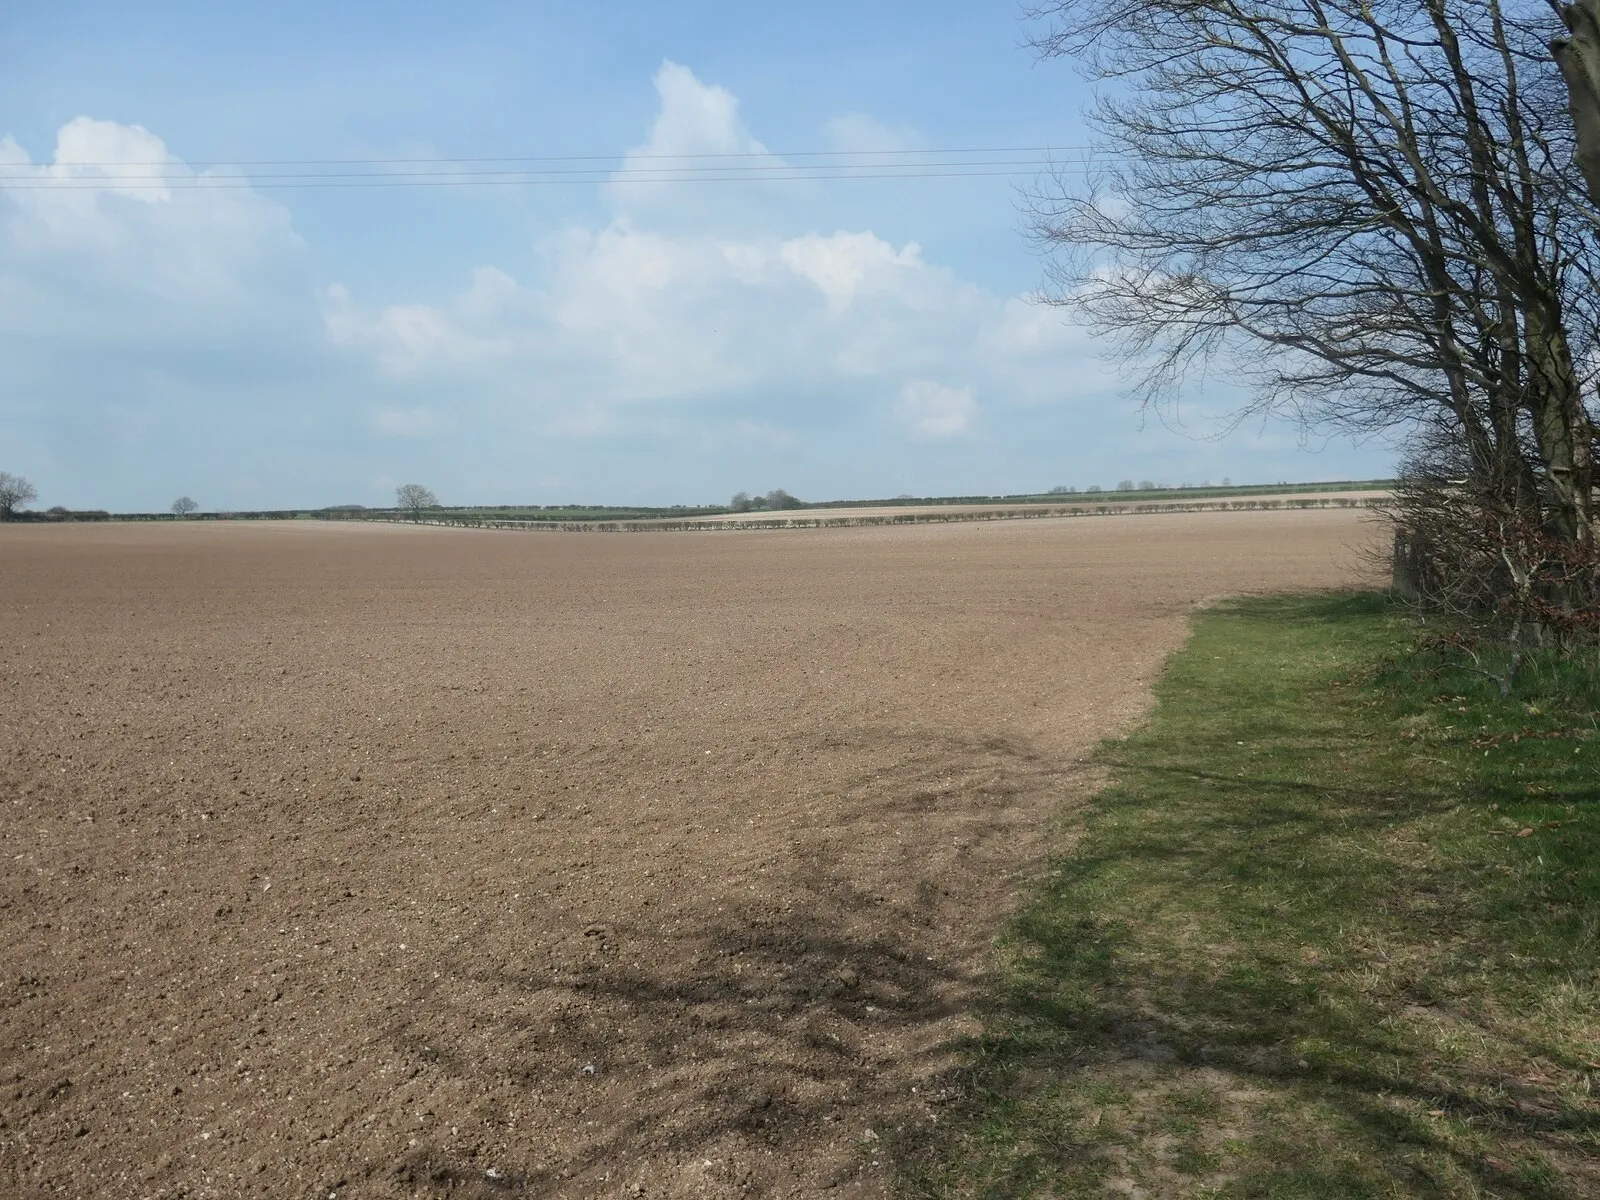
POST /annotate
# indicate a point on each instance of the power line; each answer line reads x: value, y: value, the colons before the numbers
x: 138, y: 183
x: 508, y: 158
x: 687, y: 168
x: 752, y: 171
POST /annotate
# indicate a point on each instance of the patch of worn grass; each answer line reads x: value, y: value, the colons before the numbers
x: 1330, y: 931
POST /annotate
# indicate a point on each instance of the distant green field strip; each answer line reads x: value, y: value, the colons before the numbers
x: 1173, y: 493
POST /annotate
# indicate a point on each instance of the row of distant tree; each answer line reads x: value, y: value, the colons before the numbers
x: 17, y: 493
x: 414, y: 499
x: 776, y: 500
x: 1128, y: 485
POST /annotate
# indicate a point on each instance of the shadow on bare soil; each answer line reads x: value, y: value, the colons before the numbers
x: 766, y: 1038
x: 818, y: 1018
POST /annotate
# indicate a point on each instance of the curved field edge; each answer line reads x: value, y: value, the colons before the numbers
x: 1329, y: 931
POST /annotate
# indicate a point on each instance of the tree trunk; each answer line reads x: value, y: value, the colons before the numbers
x: 1578, y: 56
x: 1564, y: 432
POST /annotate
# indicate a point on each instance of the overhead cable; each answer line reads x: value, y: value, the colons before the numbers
x: 824, y: 165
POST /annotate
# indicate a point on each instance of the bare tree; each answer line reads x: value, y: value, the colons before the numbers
x: 413, y: 498
x: 183, y: 506
x: 15, y: 491
x: 1367, y: 207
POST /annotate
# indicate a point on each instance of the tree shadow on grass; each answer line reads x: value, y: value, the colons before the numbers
x: 1282, y: 941
x: 1267, y: 1028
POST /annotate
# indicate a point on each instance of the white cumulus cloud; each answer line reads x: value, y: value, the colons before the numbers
x: 700, y: 164
x: 845, y: 263
x: 116, y: 245
x: 147, y: 312
x: 176, y: 316
x: 935, y: 412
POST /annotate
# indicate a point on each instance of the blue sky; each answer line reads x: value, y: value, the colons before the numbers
x: 257, y: 346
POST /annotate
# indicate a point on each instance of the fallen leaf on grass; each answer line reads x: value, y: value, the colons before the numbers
x: 1525, y: 832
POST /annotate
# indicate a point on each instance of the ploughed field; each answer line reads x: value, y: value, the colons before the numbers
x: 387, y: 861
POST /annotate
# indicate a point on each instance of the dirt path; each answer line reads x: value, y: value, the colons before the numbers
x: 411, y: 862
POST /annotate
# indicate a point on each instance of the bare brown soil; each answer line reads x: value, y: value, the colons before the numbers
x: 373, y: 861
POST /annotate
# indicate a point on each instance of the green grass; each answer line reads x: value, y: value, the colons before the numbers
x: 1109, y: 495
x: 541, y: 514
x: 1330, y: 930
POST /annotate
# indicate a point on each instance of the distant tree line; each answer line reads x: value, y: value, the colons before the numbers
x: 1128, y: 485
x: 16, y: 492
x: 776, y: 500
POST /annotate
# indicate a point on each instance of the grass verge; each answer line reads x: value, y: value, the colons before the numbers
x: 1330, y: 931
